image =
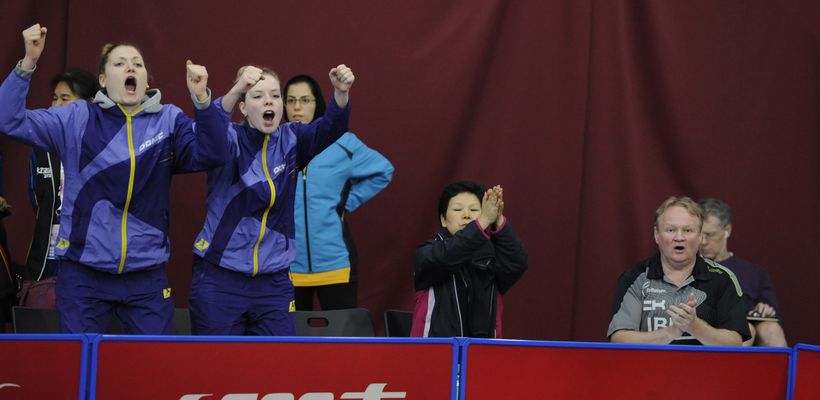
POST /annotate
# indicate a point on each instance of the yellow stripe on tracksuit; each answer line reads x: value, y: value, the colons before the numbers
x: 270, y: 205
x: 341, y: 275
x: 133, y: 159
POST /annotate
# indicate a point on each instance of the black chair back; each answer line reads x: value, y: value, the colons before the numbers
x: 397, y: 323
x: 351, y: 322
x: 182, y: 321
x: 46, y: 320
x: 35, y: 320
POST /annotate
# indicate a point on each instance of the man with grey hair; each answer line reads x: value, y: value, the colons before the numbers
x: 676, y: 296
x: 759, y: 298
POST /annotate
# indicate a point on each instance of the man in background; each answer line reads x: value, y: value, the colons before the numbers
x: 758, y: 292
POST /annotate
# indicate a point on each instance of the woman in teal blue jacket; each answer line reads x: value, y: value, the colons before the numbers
x: 336, y: 182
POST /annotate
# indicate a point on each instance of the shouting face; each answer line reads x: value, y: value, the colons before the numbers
x: 678, y: 236
x: 262, y: 106
x: 125, y: 78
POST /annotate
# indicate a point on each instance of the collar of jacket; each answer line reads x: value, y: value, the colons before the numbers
x: 150, y: 102
x: 700, y: 272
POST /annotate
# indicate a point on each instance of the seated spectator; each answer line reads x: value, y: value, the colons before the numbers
x: 676, y: 296
x: 759, y: 297
x: 462, y: 273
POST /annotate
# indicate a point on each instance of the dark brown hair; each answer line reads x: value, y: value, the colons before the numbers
x: 108, y: 48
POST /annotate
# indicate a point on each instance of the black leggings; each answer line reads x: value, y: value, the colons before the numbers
x: 331, y: 297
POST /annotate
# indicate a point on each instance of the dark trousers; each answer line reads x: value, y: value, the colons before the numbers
x: 141, y: 300
x: 331, y: 297
x: 226, y: 302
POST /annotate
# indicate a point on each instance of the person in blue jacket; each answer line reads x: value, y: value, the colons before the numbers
x: 118, y: 153
x: 335, y: 183
x: 240, y: 283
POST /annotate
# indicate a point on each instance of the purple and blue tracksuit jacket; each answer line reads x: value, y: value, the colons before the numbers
x: 118, y: 168
x: 249, y: 224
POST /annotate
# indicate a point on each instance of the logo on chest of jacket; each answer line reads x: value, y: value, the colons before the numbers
x: 278, y: 169
x: 44, y: 171
x: 152, y: 141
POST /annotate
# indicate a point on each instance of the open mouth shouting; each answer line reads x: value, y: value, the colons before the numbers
x: 269, y: 117
x: 131, y: 85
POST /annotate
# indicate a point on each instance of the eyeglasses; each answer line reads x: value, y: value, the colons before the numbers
x: 302, y: 100
x: 713, y: 235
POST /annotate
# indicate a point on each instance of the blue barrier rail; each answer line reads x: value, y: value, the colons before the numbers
x: 216, y: 367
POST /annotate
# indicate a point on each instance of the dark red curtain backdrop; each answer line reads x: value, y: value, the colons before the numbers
x: 590, y: 113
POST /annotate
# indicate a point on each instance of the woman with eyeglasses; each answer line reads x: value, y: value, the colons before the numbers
x: 119, y: 153
x: 240, y: 280
x: 335, y: 183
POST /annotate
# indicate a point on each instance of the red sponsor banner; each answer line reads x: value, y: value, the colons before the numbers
x: 806, y: 373
x: 316, y: 369
x: 516, y: 371
x: 32, y: 367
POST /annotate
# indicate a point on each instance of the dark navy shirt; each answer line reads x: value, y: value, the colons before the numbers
x: 755, y: 282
